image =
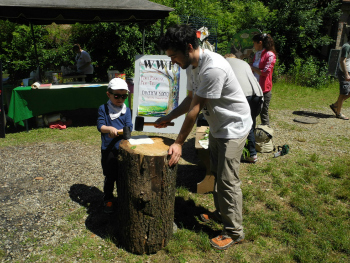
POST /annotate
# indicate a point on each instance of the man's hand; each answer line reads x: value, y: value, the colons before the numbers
x: 162, y: 122
x: 175, y: 150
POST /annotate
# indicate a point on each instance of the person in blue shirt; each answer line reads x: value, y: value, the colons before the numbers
x: 112, y: 118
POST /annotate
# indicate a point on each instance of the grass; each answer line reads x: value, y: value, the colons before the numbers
x: 296, y: 208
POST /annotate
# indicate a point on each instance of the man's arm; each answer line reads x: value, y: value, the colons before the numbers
x: 180, y: 110
x: 175, y: 149
x: 344, y: 69
x: 256, y: 70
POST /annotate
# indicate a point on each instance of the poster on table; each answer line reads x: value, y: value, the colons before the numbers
x: 160, y: 87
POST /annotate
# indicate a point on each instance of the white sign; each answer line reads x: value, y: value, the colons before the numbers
x: 160, y: 87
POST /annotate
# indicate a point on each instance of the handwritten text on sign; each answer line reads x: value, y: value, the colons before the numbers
x: 158, y: 87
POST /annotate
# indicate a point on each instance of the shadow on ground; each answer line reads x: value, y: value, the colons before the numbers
x: 187, y: 216
x: 91, y: 198
x: 190, y: 173
x: 313, y: 114
x: 106, y: 225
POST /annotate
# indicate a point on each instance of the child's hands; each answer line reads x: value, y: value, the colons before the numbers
x: 113, y: 132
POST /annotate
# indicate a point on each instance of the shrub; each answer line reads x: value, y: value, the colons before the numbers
x: 309, y: 73
x: 279, y: 71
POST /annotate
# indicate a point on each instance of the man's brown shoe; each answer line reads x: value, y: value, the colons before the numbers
x: 224, y: 241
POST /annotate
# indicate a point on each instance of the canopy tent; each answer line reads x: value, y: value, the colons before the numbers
x: 44, y: 12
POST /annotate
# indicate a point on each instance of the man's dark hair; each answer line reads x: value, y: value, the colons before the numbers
x: 178, y: 37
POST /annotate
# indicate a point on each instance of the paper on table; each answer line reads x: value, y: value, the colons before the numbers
x: 140, y: 139
x: 204, y: 143
x: 37, y: 85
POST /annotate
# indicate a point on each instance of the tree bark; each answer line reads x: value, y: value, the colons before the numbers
x: 146, y: 196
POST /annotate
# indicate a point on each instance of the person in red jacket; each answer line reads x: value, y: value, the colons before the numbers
x: 262, y: 67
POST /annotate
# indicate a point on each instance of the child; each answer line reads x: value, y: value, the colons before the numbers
x: 112, y: 117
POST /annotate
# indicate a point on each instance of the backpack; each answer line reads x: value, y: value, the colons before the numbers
x: 263, y: 139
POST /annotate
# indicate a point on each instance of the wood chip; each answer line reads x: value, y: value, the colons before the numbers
x: 39, y: 178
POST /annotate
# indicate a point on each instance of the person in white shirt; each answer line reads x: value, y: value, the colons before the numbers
x: 213, y: 89
x: 83, y: 61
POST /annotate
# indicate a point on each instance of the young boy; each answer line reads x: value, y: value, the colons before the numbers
x: 112, y: 117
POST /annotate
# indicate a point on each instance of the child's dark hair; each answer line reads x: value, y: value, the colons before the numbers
x: 266, y: 40
x: 178, y: 37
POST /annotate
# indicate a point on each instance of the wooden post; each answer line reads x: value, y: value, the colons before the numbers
x: 146, y: 196
x: 2, y: 108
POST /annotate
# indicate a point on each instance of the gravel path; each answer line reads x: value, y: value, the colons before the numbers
x: 37, y: 180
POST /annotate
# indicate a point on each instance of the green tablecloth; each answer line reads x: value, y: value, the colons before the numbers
x: 27, y: 103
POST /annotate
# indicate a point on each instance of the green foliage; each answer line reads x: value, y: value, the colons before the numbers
x: 309, y: 73
x: 18, y: 53
x: 114, y: 46
x: 300, y: 28
x: 246, y: 152
x: 279, y: 71
x: 232, y: 16
x: 110, y: 45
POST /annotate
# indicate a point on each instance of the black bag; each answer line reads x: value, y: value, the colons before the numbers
x: 260, y: 104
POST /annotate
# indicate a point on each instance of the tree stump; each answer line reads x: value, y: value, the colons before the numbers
x: 146, y: 196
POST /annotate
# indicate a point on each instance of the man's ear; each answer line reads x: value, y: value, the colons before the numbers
x: 189, y: 48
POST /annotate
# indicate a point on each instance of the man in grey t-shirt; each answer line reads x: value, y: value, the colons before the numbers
x: 254, y: 95
x: 213, y: 89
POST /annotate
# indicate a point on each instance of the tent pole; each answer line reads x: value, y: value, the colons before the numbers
x: 143, y: 41
x: 2, y: 108
x: 35, y: 49
x: 161, y: 52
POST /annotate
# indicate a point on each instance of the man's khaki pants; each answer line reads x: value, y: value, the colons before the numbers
x: 225, y: 156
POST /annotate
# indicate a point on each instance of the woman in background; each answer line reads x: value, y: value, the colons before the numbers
x: 262, y: 67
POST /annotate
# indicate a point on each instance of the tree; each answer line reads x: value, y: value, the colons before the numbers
x: 17, y: 48
x: 114, y: 46
x: 232, y: 16
x: 300, y: 28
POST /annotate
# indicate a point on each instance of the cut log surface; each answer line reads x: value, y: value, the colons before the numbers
x: 146, y: 196
x: 159, y: 148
